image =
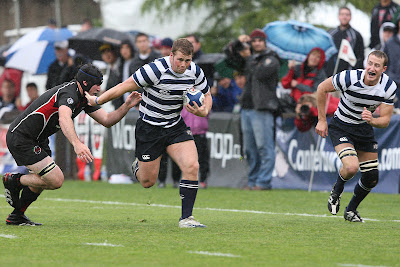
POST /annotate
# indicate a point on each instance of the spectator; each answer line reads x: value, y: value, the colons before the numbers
x: 383, y: 12
x: 52, y: 23
x: 236, y: 53
x: 145, y: 55
x: 61, y: 62
x: 304, y: 78
x: 33, y: 94
x: 8, y: 98
x: 259, y: 106
x: 307, y: 112
x: 86, y: 24
x: 127, y: 51
x: 74, y: 63
x: 225, y: 93
x: 392, y: 50
x: 195, y: 40
x: 109, y: 56
x: 345, y: 31
x: 240, y: 79
x: 385, y: 33
x: 166, y: 46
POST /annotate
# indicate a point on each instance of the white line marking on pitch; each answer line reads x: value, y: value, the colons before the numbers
x: 8, y: 236
x: 359, y: 265
x: 105, y: 244
x: 211, y: 209
x: 214, y: 254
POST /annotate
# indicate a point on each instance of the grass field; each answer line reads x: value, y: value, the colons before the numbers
x: 98, y: 224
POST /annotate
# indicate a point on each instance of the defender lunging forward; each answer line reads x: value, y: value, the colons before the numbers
x: 350, y: 130
x: 160, y: 126
x: 27, y: 138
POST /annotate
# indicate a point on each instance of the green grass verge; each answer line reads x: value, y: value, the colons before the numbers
x: 292, y: 228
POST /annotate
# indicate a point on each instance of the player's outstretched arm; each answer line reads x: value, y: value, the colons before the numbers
x: 323, y: 88
x: 109, y: 119
x: 128, y: 85
x: 67, y: 127
x: 383, y: 120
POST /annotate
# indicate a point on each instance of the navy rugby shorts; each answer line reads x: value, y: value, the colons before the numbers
x: 361, y: 136
x: 27, y: 151
x: 151, y: 140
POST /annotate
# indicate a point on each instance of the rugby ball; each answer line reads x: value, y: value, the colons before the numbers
x: 193, y: 95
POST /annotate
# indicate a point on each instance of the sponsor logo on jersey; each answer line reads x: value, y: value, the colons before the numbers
x: 189, y: 132
x: 375, y: 146
x: 37, y: 150
x: 146, y: 157
x: 164, y: 92
x: 343, y: 139
x: 70, y: 101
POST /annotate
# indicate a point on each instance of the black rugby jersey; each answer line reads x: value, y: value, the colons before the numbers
x: 40, y: 119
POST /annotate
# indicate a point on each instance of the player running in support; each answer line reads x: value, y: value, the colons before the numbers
x: 350, y: 130
x: 160, y: 126
x: 27, y: 138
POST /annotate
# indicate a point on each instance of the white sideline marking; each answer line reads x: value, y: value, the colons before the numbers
x: 212, y: 209
x: 359, y: 265
x: 8, y: 236
x: 105, y: 244
x: 214, y: 254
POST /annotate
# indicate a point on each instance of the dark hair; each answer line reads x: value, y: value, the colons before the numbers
x: 183, y: 45
x: 140, y: 34
x: 344, y: 7
x: 9, y: 81
x: 196, y: 37
x: 380, y: 54
x: 31, y: 85
x: 88, y: 21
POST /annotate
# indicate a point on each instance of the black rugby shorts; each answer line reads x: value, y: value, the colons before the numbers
x: 151, y: 140
x: 361, y: 136
x: 27, y: 151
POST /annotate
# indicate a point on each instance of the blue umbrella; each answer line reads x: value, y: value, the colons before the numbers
x: 294, y: 40
x: 34, y: 52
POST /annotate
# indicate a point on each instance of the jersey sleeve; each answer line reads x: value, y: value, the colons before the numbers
x: 341, y: 81
x: 390, y: 92
x: 65, y: 98
x: 147, y: 75
x: 201, y: 81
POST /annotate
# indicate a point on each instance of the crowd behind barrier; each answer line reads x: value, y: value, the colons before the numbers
x: 295, y: 152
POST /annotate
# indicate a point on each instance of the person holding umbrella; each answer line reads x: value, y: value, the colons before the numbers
x: 27, y: 138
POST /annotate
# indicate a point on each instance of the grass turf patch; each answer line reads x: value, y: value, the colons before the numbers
x: 99, y: 224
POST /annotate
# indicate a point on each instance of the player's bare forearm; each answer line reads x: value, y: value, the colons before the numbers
x: 109, y: 119
x: 383, y: 120
x: 323, y: 88
x: 67, y: 125
x: 128, y: 85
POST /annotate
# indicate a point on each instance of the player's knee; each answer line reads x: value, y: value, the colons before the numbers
x: 147, y: 183
x: 193, y: 167
x: 52, y: 175
x: 369, y: 173
x: 350, y: 170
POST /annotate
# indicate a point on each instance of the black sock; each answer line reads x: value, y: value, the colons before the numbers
x: 360, y: 192
x: 339, y: 185
x: 27, y: 197
x: 188, y: 192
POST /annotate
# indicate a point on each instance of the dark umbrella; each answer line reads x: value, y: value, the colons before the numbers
x: 88, y: 42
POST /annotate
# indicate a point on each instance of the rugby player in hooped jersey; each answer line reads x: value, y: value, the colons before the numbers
x: 27, y: 137
x: 160, y: 126
x: 350, y: 130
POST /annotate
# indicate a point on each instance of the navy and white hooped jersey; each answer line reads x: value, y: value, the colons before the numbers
x: 162, y: 100
x: 355, y: 95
